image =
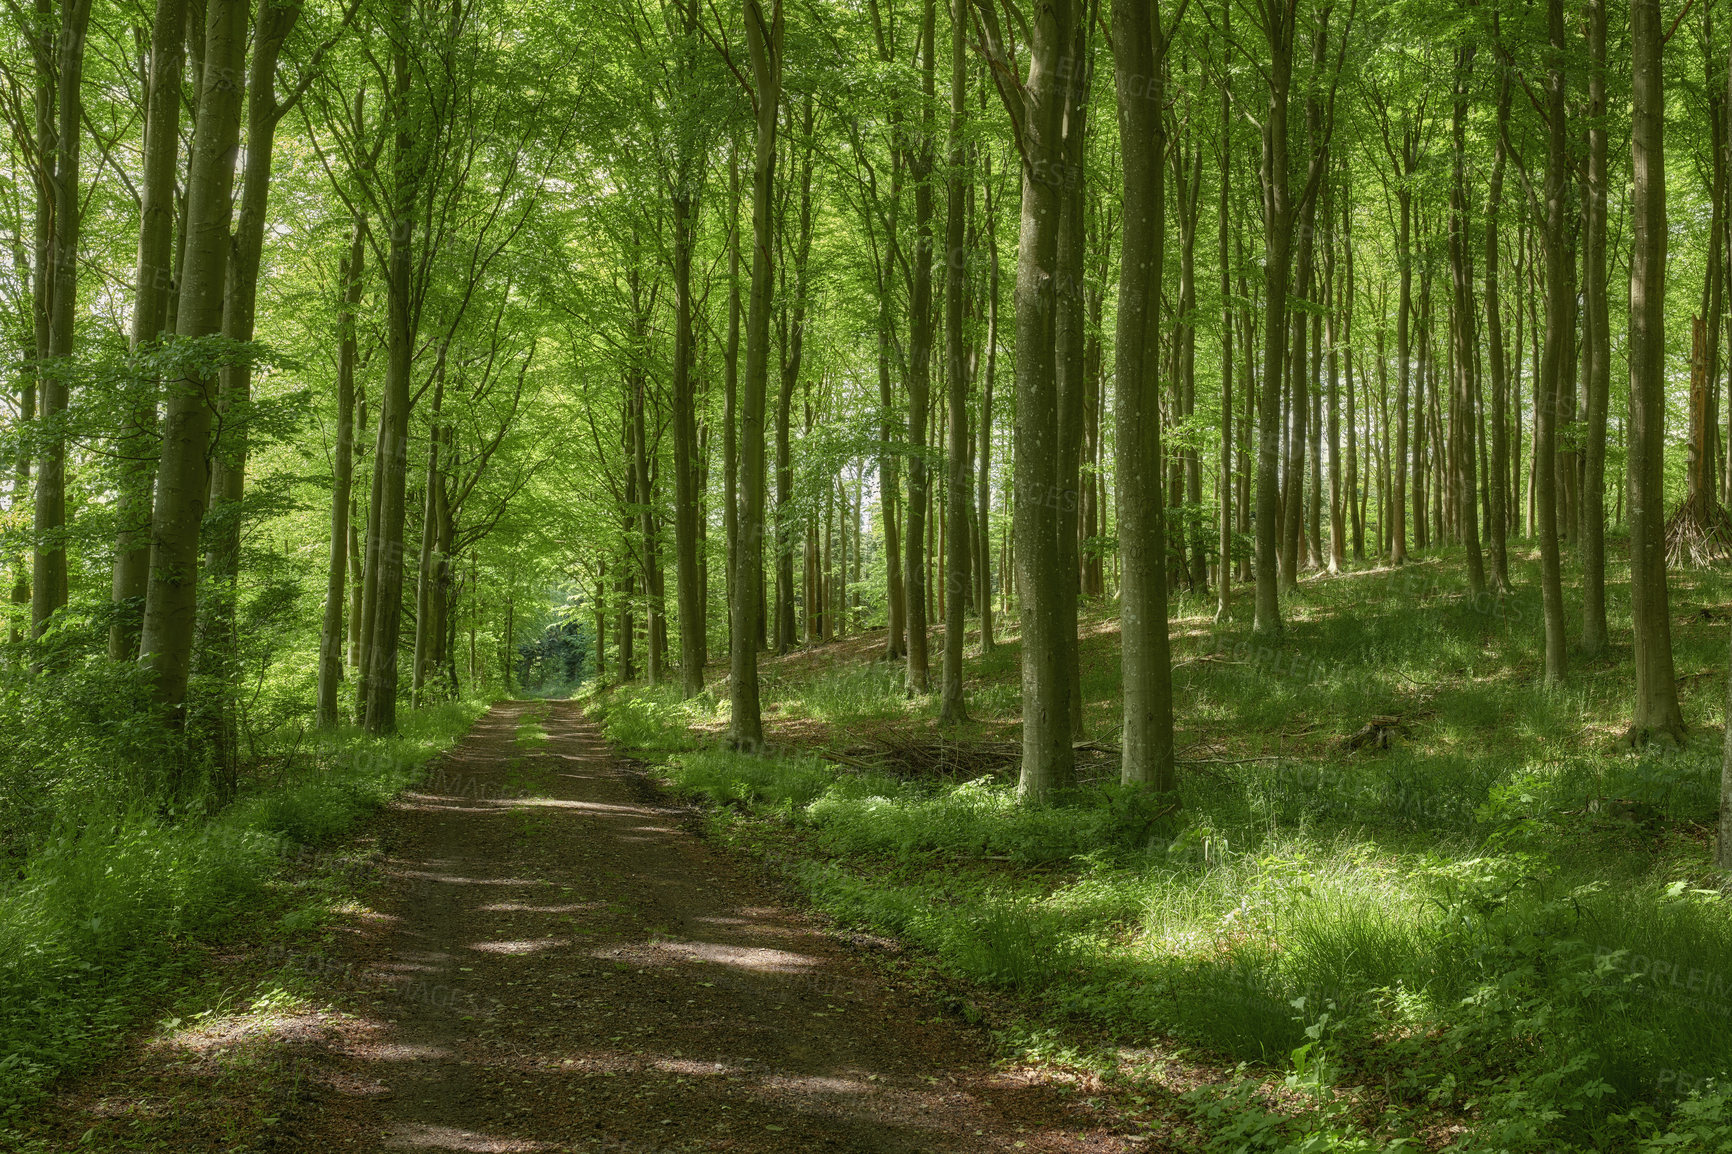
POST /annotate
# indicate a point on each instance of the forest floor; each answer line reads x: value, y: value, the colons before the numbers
x: 544, y: 956
x: 1415, y: 898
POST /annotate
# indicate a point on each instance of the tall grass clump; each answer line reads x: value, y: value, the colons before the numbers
x: 645, y: 717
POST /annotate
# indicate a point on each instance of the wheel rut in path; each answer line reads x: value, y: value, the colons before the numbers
x: 558, y: 965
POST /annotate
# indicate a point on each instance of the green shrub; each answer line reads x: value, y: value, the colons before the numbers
x: 104, y: 915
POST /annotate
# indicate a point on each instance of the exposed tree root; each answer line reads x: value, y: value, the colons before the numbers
x: 1646, y: 736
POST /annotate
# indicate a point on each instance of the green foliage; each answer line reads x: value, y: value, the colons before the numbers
x: 1491, y: 924
x: 114, y: 903
x: 983, y: 819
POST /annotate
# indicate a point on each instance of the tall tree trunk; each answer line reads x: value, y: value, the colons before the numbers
x: 1466, y: 376
x: 1332, y: 327
x: 920, y: 362
x: 1070, y: 330
x: 987, y: 382
x: 219, y: 643
x: 1497, y: 483
x: 41, y: 291
x: 1139, y: 49
x: 342, y: 481
x: 1277, y: 267
x: 1224, y: 547
x: 730, y: 395
x: 151, y: 293
x: 1355, y: 509
x: 793, y: 346
x: 1036, y: 110
x: 764, y: 40
x: 48, y: 579
x: 1598, y: 373
x: 1188, y: 187
x: 1559, y: 332
x: 427, y: 625
x: 182, y: 481
x: 1656, y: 712
x: 390, y: 477
x: 1403, y: 371
x: 690, y: 589
x: 952, y: 708
x: 1298, y: 413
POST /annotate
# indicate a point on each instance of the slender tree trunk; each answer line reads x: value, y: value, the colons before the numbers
x: 48, y: 580
x: 1466, y: 376
x: 152, y: 290
x: 690, y: 589
x: 793, y: 344
x: 952, y: 708
x: 1139, y: 51
x: 920, y: 363
x: 1355, y: 507
x: 1070, y: 330
x: 1403, y: 368
x: 1224, y: 547
x: 218, y: 641
x: 390, y: 478
x: 1036, y: 110
x: 426, y: 621
x: 1277, y: 267
x: 1597, y: 351
x: 1559, y: 331
x: 764, y: 40
x: 182, y: 482
x: 984, y: 498
x: 1656, y: 713
x: 1332, y: 328
x: 730, y: 392
x: 342, y: 481
x: 1497, y: 483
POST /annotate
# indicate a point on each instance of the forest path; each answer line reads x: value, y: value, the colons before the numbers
x: 560, y: 965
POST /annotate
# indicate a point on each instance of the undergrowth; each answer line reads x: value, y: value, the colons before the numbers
x: 115, y: 903
x: 1498, y: 933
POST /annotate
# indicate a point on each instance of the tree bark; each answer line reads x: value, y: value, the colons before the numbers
x: 764, y: 41
x: 1656, y: 713
x: 48, y: 578
x: 1036, y: 108
x: 952, y: 707
x: 1277, y: 267
x: 730, y: 397
x: 920, y: 363
x: 1224, y: 547
x: 151, y: 292
x: 1597, y: 350
x: 390, y: 475
x: 1559, y: 331
x: 1139, y: 50
x: 1465, y: 381
x: 342, y: 482
x: 182, y: 481
x: 1497, y: 483
x: 690, y: 589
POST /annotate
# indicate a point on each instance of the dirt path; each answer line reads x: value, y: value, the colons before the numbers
x: 560, y: 965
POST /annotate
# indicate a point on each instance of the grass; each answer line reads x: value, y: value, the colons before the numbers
x: 1501, y: 933
x: 114, y: 911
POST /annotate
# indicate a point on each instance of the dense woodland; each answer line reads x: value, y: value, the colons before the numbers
x: 369, y: 358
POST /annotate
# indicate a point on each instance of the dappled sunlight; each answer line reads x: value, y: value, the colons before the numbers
x: 457, y: 880
x: 760, y: 959
x: 422, y: 1136
x: 518, y: 948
